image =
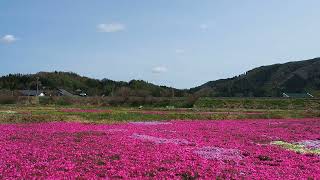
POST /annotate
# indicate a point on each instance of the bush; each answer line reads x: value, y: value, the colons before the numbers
x: 257, y: 103
x: 190, y: 101
x: 64, y: 101
x: 45, y: 100
x: 8, y: 100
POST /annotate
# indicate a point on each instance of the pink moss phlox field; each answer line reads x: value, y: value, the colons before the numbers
x: 150, y: 123
x: 229, y: 149
x: 85, y: 110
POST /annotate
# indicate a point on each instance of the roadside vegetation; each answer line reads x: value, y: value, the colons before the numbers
x: 27, y: 114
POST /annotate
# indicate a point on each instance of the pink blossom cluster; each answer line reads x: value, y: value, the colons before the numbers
x: 230, y: 149
x: 150, y: 122
x: 69, y: 110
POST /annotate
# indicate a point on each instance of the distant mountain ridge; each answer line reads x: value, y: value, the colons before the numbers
x: 264, y: 81
x: 268, y: 81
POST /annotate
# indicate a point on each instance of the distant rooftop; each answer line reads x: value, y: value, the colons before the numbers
x: 63, y: 92
x: 30, y: 92
x: 297, y: 95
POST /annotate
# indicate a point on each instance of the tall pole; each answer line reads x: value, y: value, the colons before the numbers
x: 37, y: 86
x: 112, y: 91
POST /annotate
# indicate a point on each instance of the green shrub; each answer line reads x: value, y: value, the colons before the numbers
x: 64, y: 101
x: 45, y: 100
x: 257, y: 103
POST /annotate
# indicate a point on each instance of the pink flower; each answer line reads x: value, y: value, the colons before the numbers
x: 230, y: 149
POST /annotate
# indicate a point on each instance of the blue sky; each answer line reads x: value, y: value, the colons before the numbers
x: 180, y: 43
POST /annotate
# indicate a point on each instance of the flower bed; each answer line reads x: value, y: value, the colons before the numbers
x: 230, y: 149
x: 150, y: 123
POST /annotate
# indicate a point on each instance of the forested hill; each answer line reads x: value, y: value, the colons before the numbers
x: 72, y: 82
x: 265, y: 81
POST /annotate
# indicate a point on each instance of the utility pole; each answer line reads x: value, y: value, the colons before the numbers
x: 112, y: 91
x: 37, y: 86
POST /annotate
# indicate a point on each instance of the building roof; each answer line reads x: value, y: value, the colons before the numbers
x: 83, y: 94
x: 297, y: 95
x: 30, y: 92
x: 64, y: 92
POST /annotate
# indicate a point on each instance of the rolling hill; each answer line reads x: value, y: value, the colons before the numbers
x: 93, y: 87
x: 267, y: 81
x: 264, y: 81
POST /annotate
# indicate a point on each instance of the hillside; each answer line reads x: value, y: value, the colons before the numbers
x: 71, y: 82
x: 266, y: 81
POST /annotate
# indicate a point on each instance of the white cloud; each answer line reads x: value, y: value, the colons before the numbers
x: 8, y: 39
x: 159, y: 69
x: 180, y: 51
x: 109, y: 28
x: 204, y: 27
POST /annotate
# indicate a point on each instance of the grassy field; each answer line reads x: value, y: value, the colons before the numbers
x: 97, y: 114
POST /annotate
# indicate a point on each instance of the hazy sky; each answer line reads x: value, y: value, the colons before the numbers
x: 180, y: 43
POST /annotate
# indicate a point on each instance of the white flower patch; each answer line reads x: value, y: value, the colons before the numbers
x: 8, y: 112
x: 150, y: 123
x: 116, y: 130
x: 219, y: 153
x: 166, y: 131
x: 158, y: 140
x: 275, y: 123
x: 310, y: 144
